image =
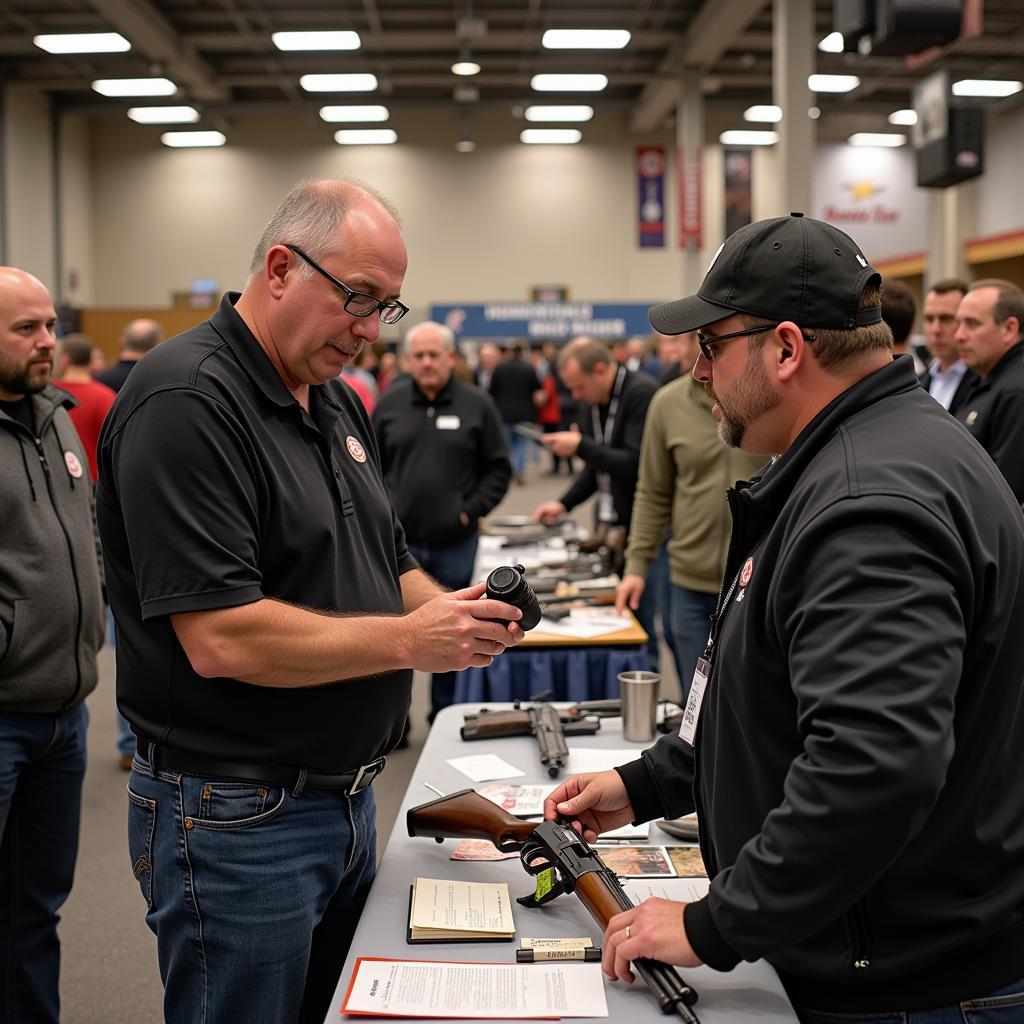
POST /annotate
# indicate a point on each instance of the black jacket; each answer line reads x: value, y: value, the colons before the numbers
x: 441, y: 458
x: 994, y: 413
x: 513, y: 383
x: 620, y: 458
x: 963, y: 389
x: 858, y: 774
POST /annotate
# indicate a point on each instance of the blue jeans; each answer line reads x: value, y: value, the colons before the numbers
x: 655, y: 604
x: 42, y: 763
x: 1004, y: 1006
x: 452, y: 567
x: 691, y: 623
x: 517, y: 446
x: 253, y: 893
x: 125, y: 736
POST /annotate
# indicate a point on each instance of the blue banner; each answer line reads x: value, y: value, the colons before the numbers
x: 545, y: 321
x: 650, y: 188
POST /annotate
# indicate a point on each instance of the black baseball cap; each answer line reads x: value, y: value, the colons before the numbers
x: 787, y: 268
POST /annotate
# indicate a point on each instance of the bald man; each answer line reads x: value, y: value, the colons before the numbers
x: 138, y: 338
x: 51, y: 626
x: 270, y: 616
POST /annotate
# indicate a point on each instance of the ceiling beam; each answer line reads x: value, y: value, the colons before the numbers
x: 714, y: 29
x: 153, y: 36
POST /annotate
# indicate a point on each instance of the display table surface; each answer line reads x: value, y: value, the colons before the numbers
x: 750, y: 993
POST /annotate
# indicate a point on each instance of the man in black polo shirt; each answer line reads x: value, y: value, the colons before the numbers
x: 445, y: 463
x: 990, y: 334
x: 269, y: 615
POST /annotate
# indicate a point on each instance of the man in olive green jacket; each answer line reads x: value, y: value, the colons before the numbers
x: 684, y: 472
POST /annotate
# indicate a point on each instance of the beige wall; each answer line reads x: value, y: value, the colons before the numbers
x: 28, y: 184
x: 78, y: 257
x: 479, y: 226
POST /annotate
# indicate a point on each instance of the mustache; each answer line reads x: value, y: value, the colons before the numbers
x: 710, y: 391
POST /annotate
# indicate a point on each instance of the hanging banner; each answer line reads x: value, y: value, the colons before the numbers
x: 738, y: 202
x: 650, y: 194
x: 688, y: 172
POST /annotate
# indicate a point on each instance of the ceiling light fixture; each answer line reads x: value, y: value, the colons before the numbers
x: 885, y: 140
x: 570, y: 113
x: 550, y: 136
x: 832, y: 83
x: 979, y: 87
x: 585, y: 39
x: 569, y: 83
x: 366, y: 136
x: 905, y: 116
x: 163, y: 115
x: 832, y: 43
x: 185, y: 140
x: 765, y: 113
x: 316, y: 40
x: 359, y: 113
x: 339, y: 83
x: 135, y: 87
x: 465, y: 68
x: 83, y: 42
x: 748, y: 137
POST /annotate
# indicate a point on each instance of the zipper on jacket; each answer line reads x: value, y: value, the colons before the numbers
x: 37, y: 439
x: 859, y: 938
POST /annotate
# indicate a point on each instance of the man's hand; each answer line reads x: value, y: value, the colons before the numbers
x: 656, y: 930
x: 564, y: 443
x: 548, y: 512
x: 629, y: 593
x: 595, y: 802
x: 458, y: 630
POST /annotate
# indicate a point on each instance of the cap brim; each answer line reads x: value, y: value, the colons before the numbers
x: 684, y: 315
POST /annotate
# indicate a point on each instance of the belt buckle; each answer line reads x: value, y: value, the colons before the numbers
x: 366, y: 775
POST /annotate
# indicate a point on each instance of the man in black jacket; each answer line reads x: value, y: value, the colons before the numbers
x: 990, y: 322
x: 445, y: 464
x: 614, y: 402
x: 851, y: 743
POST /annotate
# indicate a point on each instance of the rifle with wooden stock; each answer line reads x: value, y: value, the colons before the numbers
x: 543, y: 847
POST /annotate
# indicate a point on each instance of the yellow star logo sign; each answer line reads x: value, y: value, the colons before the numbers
x: 863, y: 189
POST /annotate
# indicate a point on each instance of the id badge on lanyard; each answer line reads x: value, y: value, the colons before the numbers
x: 688, y: 726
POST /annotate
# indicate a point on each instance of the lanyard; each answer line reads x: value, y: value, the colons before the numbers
x: 605, y: 506
x: 613, y: 408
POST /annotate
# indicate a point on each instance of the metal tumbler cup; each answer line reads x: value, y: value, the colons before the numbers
x: 638, y: 692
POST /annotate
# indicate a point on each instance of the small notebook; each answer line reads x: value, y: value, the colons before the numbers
x: 443, y: 910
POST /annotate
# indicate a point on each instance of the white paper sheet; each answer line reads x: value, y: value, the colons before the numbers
x: 585, y: 623
x: 685, y: 890
x: 425, y: 988
x: 598, y: 759
x: 484, y: 767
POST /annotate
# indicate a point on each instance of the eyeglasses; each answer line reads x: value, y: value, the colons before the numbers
x: 705, y: 341
x: 357, y: 303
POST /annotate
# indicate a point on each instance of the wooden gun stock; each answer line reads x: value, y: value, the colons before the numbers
x: 468, y: 815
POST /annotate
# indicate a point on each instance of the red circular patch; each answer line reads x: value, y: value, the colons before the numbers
x: 74, y: 465
x: 355, y: 449
x: 746, y: 572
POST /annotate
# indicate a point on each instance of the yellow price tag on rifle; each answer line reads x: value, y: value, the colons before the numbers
x: 545, y: 883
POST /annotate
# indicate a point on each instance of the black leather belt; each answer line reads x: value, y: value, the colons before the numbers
x: 164, y: 759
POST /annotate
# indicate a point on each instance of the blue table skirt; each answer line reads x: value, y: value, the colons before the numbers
x: 570, y: 673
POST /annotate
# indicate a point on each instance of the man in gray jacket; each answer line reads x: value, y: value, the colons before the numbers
x: 51, y: 625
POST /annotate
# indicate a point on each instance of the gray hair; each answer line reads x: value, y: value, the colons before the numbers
x: 309, y: 217
x: 141, y: 336
x: 447, y: 335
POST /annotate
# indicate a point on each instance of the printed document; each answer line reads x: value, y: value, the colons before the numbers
x: 427, y: 988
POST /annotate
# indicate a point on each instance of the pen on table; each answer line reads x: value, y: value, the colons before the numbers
x: 433, y: 789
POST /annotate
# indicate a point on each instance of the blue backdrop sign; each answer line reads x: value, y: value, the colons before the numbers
x: 545, y: 321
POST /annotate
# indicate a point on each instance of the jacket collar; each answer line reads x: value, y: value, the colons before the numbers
x: 768, y: 492
x: 443, y: 397
x: 1012, y: 355
x: 45, y: 402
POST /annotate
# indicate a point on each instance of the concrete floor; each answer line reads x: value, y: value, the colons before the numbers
x: 109, y: 972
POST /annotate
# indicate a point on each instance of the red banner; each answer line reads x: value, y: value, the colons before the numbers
x: 689, y: 174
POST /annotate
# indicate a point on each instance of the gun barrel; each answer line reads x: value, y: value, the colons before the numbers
x: 547, y: 728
